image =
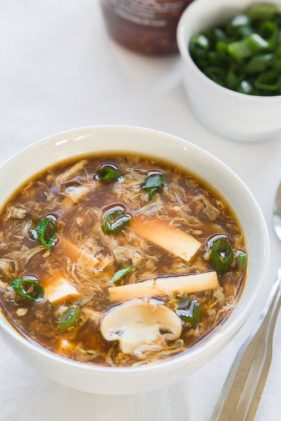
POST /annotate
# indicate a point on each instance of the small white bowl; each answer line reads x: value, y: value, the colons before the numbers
x: 127, y: 380
x: 233, y: 115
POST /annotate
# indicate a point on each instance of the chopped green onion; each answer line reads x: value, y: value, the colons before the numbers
x: 221, y: 253
x: 276, y: 65
x: 216, y: 58
x: 115, y: 219
x: 46, y: 231
x: 239, y: 26
x: 219, y: 34
x: 241, y: 259
x: 256, y: 43
x: 239, y: 20
x: 239, y: 50
x: 262, y: 11
x: 241, y: 53
x: 232, y: 79
x: 245, y: 87
x: 259, y: 63
x: 28, y: 288
x: 278, y: 50
x: 69, y: 317
x: 189, y: 311
x: 269, y: 82
x: 199, y: 44
x: 269, y: 31
x: 244, y: 31
x: 124, y: 271
x: 153, y: 183
x: 108, y: 173
x: 246, y: 48
x: 221, y: 47
x: 215, y: 73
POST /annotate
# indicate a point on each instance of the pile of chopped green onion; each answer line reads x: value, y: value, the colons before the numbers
x: 243, y: 54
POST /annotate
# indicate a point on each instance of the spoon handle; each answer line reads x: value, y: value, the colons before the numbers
x: 242, y: 390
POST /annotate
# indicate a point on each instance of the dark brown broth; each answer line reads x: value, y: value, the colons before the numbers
x: 189, y: 203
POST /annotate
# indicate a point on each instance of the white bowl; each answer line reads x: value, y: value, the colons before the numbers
x: 233, y: 115
x: 105, y: 380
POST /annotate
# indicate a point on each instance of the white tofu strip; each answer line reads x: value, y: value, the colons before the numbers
x: 160, y: 287
x: 58, y: 289
x: 174, y: 240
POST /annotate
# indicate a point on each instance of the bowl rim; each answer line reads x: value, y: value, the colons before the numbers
x: 206, y: 345
x: 184, y: 52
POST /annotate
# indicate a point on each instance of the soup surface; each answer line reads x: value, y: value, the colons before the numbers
x: 118, y: 259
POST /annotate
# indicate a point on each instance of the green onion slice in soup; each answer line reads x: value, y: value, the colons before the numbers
x: 28, y: 289
x: 46, y: 231
x: 189, y: 311
x: 115, y: 219
x: 108, y: 173
x: 241, y: 259
x: 221, y: 253
x: 69, y: 317
x: 121, y: 273
x: 153, y: 183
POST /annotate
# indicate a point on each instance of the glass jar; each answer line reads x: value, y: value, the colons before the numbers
x: 145, y: 26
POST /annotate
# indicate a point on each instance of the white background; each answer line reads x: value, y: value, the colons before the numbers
x: 59, y: 70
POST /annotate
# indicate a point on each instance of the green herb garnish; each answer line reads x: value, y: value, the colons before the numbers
x: 243, y: 54
x: 115, y: 219
x: 189, y: 311
x: 46, y: 231
x: 241, y: 259
x: 153, y: 183
x: 69, y: 317
x: 221, y: 253
x: 121, y: 273
x: 28, y: 289
x: 263, y: 11
x: 108, y: 173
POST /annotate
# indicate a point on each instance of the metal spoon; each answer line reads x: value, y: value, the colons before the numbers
x: 243, y: 388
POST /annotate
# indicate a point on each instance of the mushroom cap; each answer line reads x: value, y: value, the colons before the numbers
x: 138, y: 323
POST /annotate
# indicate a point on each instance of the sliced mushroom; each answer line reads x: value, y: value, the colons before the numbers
x: 140, y: 322
x: 161, y: 233
x: 160, y: 287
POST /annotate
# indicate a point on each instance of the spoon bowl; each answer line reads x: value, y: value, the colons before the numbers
x: 277, y: 213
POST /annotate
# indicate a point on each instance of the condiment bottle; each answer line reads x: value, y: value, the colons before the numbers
x: 145, y: 26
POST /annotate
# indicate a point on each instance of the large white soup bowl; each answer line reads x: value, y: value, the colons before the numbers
x: 106, y: 380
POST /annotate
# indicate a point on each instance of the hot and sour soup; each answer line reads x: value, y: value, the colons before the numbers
x: 118, y: 259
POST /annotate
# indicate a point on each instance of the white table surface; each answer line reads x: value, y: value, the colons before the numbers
x: 59, y: 70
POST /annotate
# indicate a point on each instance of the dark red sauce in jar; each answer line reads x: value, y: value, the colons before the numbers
x: 145, y: 26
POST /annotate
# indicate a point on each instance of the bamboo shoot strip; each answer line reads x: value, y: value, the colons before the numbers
x: 160, y: 287
x: 174, y: 240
